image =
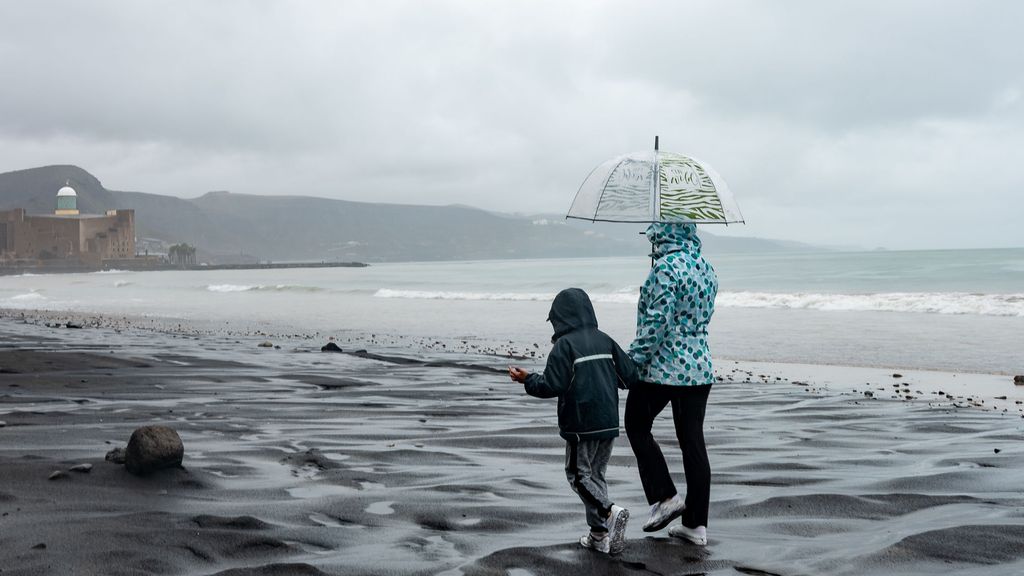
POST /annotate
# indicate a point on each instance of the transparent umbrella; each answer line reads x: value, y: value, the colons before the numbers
x: 655, y: 186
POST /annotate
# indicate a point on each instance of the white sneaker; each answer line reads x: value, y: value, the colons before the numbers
x: 602, y: 545
x: 698, y: 535
x: 663, y: 513
x: 617, y: 529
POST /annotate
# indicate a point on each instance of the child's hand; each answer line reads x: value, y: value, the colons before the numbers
x: 517, y: 374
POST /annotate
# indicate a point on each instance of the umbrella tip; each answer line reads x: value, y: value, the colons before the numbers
x: 655, y: 143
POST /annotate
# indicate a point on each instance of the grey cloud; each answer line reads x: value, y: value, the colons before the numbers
x: 818, y: 114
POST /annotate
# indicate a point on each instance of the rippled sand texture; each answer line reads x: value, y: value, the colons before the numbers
x: 301, y: 462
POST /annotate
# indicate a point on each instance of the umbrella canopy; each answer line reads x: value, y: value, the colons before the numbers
x: 655, y: 186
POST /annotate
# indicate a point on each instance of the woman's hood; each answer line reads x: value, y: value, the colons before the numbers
x: 668, y: 237
x: 570, y: 310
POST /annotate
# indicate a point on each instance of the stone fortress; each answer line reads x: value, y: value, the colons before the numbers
x: 66, y: 237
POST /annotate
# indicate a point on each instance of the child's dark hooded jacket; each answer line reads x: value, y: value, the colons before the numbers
x: 585, y: 369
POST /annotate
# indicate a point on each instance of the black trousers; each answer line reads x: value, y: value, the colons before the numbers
x: 644, y: 403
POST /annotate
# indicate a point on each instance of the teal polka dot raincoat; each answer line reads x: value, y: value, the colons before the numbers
x: 676, y: 304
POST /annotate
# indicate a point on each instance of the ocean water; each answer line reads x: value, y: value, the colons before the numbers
x: 944, y: 310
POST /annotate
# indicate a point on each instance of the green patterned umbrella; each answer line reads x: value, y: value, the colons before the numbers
x: 655, y: 186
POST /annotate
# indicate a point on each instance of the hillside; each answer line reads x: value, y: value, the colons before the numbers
x: 228, y: 227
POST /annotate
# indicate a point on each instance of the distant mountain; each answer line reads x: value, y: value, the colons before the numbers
x: 712, y: 243
x: 227, y: 227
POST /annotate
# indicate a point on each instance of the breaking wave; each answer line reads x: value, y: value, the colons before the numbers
x: 26, y: 301
x: 615, y: 297
x: 911, y: 302
x: 28, y: 297
x: 261, y: 288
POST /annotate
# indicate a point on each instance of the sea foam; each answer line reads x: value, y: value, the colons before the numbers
x: 911, y: 302
x: 616, y: 297
x: 260, y: 287
x: 28, y: 297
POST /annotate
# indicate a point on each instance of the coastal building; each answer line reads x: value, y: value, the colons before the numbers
x: 66, y: 236
x: 67, y: 201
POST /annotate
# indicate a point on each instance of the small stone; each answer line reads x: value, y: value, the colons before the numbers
x: 58, y: 475
x: 997, y: 450
x: 897, y: 375
x: 330, y: 347
x: 266, y: 344
x: 83, y: 468
x: 40, y: 546
x: 1019, y: 380
x: 116, y: 456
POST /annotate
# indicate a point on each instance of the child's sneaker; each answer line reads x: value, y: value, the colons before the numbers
x: 698, y: 535
x: 663, y: 513
x: 617, y: 529
x: 602, y: 545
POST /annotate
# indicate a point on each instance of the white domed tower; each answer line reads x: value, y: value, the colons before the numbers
x: 67, y: 201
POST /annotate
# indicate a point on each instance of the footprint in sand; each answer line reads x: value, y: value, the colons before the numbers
x: 381, y: 508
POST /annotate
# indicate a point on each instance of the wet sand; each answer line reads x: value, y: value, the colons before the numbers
x: 302, y: 462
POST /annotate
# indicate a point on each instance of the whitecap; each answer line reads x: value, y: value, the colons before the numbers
x: 911, y: 302
x: 621, y: 297
x: 229, y: 288
x: 28, y: 297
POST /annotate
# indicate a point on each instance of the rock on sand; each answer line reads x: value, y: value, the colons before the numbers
x: 153, y: 448
x: 1019, y: 380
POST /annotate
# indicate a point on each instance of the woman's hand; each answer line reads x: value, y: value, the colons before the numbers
x: 517, y: 374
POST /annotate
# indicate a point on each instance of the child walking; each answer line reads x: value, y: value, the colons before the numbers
x: 584, y: 370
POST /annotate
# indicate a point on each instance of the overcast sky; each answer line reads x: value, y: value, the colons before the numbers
x: 887, y: 123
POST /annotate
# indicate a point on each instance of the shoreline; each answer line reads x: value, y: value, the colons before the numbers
x: 989, y: 391
x: 303, y: 462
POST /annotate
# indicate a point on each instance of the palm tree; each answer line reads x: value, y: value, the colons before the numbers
x: 182, y: 255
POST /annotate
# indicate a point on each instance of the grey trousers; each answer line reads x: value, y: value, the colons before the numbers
x: 585, y: 464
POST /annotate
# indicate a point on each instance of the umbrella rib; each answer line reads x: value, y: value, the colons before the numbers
x: 577, y: 196
x: 651, y: 221
x: 605, y: 188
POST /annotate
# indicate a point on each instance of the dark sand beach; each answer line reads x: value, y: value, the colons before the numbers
x: 303, y: 462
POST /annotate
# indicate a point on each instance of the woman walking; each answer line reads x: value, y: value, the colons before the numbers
x: 671, y: 352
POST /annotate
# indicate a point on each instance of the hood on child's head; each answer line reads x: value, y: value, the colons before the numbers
x: 570, y: 310
x: 668, y: 237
